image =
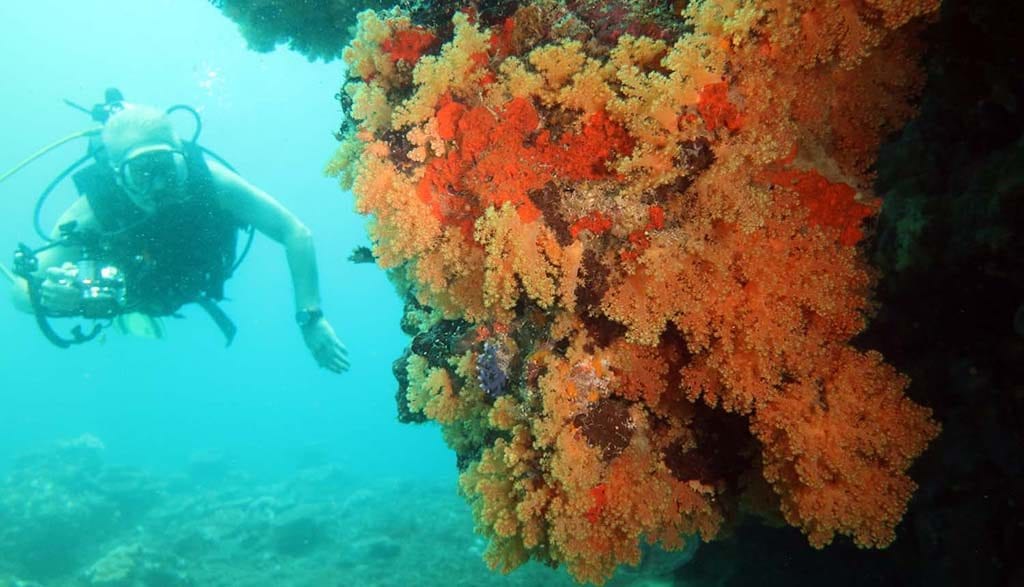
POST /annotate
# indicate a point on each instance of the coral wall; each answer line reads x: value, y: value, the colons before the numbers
x: 319, y: 29
x: 629, y: 240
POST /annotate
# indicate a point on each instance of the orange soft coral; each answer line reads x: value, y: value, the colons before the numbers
x: 837, y: 446
x: 659, y: 230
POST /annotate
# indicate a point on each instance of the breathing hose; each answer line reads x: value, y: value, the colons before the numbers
x: 85, y: 133
x: 8, y: 273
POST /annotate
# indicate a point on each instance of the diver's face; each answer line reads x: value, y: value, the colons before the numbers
x: 153, y: 176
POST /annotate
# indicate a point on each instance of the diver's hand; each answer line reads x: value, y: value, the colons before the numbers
x: 327, y: 349
x: 58, y: 293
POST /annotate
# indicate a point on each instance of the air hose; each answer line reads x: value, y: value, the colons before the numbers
x: 78, y: 135
x: 8, y: 273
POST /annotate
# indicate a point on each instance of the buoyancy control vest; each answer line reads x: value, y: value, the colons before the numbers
x: 180, y: 254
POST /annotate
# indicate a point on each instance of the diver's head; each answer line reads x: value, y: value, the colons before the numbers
x: 146, y: 156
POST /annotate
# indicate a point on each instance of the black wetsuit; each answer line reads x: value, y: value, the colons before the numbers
x: 181, y: 254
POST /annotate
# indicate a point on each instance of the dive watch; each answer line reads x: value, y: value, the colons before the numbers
x: 308, y: 316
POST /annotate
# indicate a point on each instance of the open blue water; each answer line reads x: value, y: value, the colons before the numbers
x: 181, y: 463
x: 157, y: 404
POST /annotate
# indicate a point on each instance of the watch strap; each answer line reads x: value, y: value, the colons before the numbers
x: 308, y: 316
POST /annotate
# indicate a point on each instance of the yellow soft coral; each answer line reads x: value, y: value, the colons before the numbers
x: 370, y: 106
x: 518, y: 254
x: 430, y: 390
x: 558, y: 62
x: 363, y: 56
x: 455, y: 71
x: 391, y: 196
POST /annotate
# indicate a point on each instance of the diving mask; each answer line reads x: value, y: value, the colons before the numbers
x: 155, y: 174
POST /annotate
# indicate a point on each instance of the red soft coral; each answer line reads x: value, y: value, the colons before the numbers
x: 408, y: 45
x: 830, y: 204
x: 502, y: 156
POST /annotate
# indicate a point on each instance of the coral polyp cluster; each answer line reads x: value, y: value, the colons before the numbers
x: 627, y: 233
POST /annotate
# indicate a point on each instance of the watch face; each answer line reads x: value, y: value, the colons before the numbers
x: 307, y: 317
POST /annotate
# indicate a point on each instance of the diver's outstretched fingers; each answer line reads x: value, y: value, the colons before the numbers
x: 324, y: 363
x: 323, y: 356
x: 329, y: 357
x: 339, y: 365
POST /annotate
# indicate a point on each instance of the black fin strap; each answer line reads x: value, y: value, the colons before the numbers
x: 220, y: 318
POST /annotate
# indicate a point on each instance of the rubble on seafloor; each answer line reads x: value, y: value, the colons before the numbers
x: 68, y: 518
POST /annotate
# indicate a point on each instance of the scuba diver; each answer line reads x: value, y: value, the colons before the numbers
x: 155, y: 228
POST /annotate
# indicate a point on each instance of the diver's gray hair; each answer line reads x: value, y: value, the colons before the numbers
x: 137, y: 126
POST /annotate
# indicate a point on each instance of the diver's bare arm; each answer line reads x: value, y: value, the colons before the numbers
x: 79, y: 212
x: 19, y: 293
x: 11, y: 277
x: 19, y: 296
x: 251, y: 205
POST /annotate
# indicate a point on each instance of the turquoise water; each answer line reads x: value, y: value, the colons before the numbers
x: 226, y: 444
x: 157, y: 403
